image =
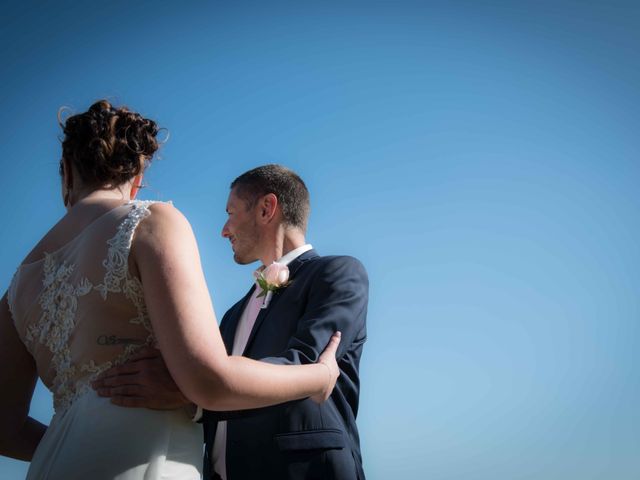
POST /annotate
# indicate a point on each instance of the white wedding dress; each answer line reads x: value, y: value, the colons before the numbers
x: 80, y: 311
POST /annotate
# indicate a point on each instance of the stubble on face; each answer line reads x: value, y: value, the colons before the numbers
x: 242, y: 230
x: 245, y: 243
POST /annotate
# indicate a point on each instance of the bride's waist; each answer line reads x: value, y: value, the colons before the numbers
x: 90, y: 408
x: 74, y: 370
x: 94, y: 438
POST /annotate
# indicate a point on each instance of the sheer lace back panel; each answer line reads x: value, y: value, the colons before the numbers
x: 79, y: 310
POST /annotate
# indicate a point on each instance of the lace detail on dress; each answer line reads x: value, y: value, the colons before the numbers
x: 11, y: 294
x: 117, y: 278
x: 83, y: 385
x: 59, y: 302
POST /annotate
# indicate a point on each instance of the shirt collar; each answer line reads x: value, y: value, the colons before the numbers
x: 286, y: 259
x: 293, y: 254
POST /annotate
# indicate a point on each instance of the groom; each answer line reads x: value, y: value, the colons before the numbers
x: 268, y: 208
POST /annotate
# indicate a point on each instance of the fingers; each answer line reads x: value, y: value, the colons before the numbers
x: 142, y: 402
x: 135, y: 367
x: 125, y: 369
x: 132, y: 402
x: 138, y: 398
x: 132, y: 365
x: 116, y: 380
x: 328, y: 358
x: 121, y: 391
x: 332, y: 346
x: 145, y: 353
x: 335, y: 340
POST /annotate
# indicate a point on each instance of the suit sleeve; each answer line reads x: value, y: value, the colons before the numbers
x: 337, y: 301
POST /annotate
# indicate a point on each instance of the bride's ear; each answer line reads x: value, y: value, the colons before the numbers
x: 135, y: 188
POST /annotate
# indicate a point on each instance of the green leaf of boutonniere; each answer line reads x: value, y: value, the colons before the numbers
x: 268, y: 287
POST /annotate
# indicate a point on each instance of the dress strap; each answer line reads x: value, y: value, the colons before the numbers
x: 127, y: 228
x: 11, y: 294
x: 117, y: 262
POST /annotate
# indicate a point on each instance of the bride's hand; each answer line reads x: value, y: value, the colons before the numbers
x: 328, y: 358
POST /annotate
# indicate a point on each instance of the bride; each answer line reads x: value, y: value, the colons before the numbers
x: 113, y: 276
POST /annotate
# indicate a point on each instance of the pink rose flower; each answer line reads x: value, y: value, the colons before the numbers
x: 276, y: 274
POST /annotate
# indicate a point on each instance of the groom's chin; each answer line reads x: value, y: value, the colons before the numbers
x: 241, y: 260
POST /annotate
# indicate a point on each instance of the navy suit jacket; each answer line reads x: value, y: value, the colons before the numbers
x: 301, y: 439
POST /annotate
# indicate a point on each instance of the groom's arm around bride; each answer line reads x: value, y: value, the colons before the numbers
x: 287, y: 319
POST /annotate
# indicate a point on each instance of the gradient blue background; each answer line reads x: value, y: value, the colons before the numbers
x: 480, y: 158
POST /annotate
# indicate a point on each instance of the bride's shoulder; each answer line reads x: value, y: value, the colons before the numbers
x: 162, y: 219
x: 162, y: 236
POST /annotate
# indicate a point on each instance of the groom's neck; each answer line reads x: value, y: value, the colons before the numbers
x: 282, y: 243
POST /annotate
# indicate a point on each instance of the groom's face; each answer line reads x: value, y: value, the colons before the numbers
x: 242, y: 230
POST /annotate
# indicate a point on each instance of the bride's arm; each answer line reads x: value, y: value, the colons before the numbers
x: 19, y: 433
x: 166, y: 255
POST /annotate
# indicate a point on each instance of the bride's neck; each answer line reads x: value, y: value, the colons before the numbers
x: 101, y: 195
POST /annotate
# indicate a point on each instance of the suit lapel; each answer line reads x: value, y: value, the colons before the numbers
x: 294, y: 266
x: 230, y: 324
x: 296, y: 263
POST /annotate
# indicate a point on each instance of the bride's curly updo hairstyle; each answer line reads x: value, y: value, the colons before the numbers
x: 108, y: 145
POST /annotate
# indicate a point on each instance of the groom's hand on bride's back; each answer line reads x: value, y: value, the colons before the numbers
x: 142, y: 382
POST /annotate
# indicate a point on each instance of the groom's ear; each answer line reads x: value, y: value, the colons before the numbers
x: 267, y: 208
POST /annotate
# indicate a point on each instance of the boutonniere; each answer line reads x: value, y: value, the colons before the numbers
x: 271, y: 279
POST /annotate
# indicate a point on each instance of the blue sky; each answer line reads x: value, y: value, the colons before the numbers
x: 480, y: 158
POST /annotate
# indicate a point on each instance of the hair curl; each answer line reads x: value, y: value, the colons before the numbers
x: 108, y: 145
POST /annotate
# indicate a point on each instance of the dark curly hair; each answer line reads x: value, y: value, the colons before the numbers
x: 108, y: 145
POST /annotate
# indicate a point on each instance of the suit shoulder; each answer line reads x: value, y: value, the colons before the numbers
x: 340, y: 264
x: 339, y: 260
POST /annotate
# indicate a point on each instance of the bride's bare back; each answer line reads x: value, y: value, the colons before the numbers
x: 78, y: 309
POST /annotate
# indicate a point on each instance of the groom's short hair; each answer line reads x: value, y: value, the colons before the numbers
x: 284, y: 183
